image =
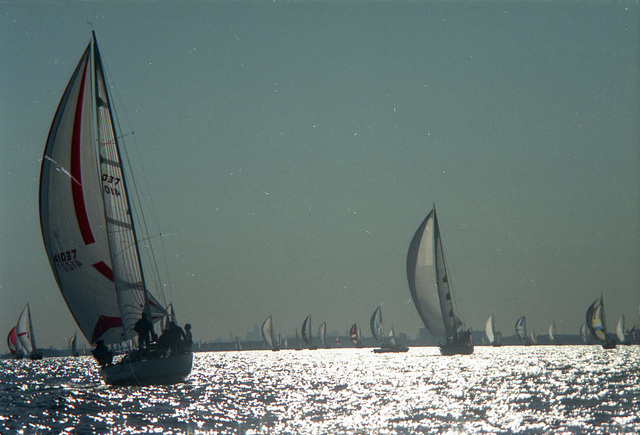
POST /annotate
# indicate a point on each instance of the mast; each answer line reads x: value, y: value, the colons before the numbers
x: 31, y: 336
x: 99, y: 70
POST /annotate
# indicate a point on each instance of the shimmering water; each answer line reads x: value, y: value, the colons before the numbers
x: 508, y: 389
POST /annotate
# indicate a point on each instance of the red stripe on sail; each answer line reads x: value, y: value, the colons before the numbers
x: 76, y: 168
x: 103, y: 324
x: 104, y: 269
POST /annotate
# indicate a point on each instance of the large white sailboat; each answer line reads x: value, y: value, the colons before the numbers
x: 431, y: 288
x: 88, y: 228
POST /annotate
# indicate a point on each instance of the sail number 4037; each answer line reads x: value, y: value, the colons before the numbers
x: 110, y: 183
x: 67, y: 260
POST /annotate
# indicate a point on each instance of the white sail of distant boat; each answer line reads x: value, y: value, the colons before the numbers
x: 620, y: 328
x: 376, y: 325
x: 306, y: 332
x: 392, y: 337
x: 521, y: 329
x: 533, y: 337
x: 238, y: 345
x: 298, y: 346
x: 73, y: 346
x: 552, y: 332
x: 24, y: 332
x: 88, y: 225
x: 583, y: 332
x: 322, y: 333
x: 489, y: 327
x: 597, y: 325
x: 431, y: 289
x: 267, y: 333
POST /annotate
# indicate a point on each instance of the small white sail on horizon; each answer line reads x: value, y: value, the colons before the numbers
x: 521, y: 329
x: 583, y: 332
x: 306, y: 331
x: 375, y: 323
x: 620, y: 329
x: 322, y: 333
x: 489, y: 327
x: 552, y: 332
x: 267, y: 332
x: 533, y: 337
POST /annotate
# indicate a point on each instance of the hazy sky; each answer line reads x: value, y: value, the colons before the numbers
x: 293, y: 148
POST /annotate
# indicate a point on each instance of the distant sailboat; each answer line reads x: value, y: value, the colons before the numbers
x: 89, y: 227
x: 489, y: 328
x: 73, y: 346
x: 521, y: 329
x: 533, y: 336
x: 552, y: 333
x: 431, y: 290
x: 620, y: 329
x: 583, y: 333
x: 377, y: 330
x: 267, y: 334
x: 238, y: 345
x: 354, y: 334
x: 24, y: 332
x: 596, y: 323
x: 306, y: 333
x: 298, y: 346
x: 322, y: 333
x: 14, y: 344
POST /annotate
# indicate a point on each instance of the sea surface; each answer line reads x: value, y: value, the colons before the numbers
x: 510, y: 389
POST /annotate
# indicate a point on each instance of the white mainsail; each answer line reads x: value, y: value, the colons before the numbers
x: 267, y: 332
x: 85, y: 214
x: 521, y: 328
x: 429, y: 281
x: 489, y: 327
x: 534, y: 337
x: 583, y: 332
x: 392, y: 337
x: 72, y: 344
x: 306, y: 330
x: 552, y: 332
x: 24, y: 331
x: 375, y: 324
x: 322, y: 333
x: 620, y: 328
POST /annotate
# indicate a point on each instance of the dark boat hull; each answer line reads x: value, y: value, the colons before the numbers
x: 399, y: 349
x: 156, y: 371
x: 456, y: 349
